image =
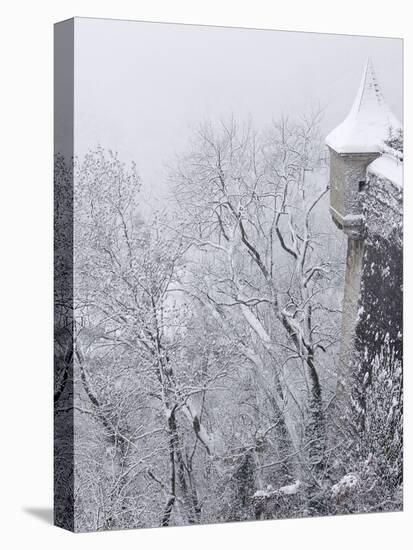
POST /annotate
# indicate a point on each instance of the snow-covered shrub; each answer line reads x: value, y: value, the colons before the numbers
x: 344, y: 487
x: 375, y: 448
x: 394, y: 143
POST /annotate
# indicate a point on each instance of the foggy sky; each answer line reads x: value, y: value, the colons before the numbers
x: 141, y: 87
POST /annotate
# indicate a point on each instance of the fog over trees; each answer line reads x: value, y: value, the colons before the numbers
x: 207, y: 336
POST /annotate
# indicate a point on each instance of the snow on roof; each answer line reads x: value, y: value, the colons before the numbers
x: 387, y: 167
x: 367, y: 124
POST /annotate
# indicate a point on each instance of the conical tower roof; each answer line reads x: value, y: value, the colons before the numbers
x: 368, y: 122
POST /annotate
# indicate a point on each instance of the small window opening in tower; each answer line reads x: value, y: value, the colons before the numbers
x: 362, y: 185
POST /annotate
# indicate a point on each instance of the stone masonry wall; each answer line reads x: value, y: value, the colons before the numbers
x: 379, y: 321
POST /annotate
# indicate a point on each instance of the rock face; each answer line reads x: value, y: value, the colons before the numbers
x: 366, y: 203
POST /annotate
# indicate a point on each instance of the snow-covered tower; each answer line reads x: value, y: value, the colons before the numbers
x: 353, y: 145
x: 366, y: 203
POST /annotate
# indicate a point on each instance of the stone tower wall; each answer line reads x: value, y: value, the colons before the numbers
x: 354, y: 269
x: 347, y: 174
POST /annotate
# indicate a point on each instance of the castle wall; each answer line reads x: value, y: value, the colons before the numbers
x: 373, y: 301
x: 380, y: 319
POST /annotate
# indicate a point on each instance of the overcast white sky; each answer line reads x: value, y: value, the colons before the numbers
x: 140, y: 87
